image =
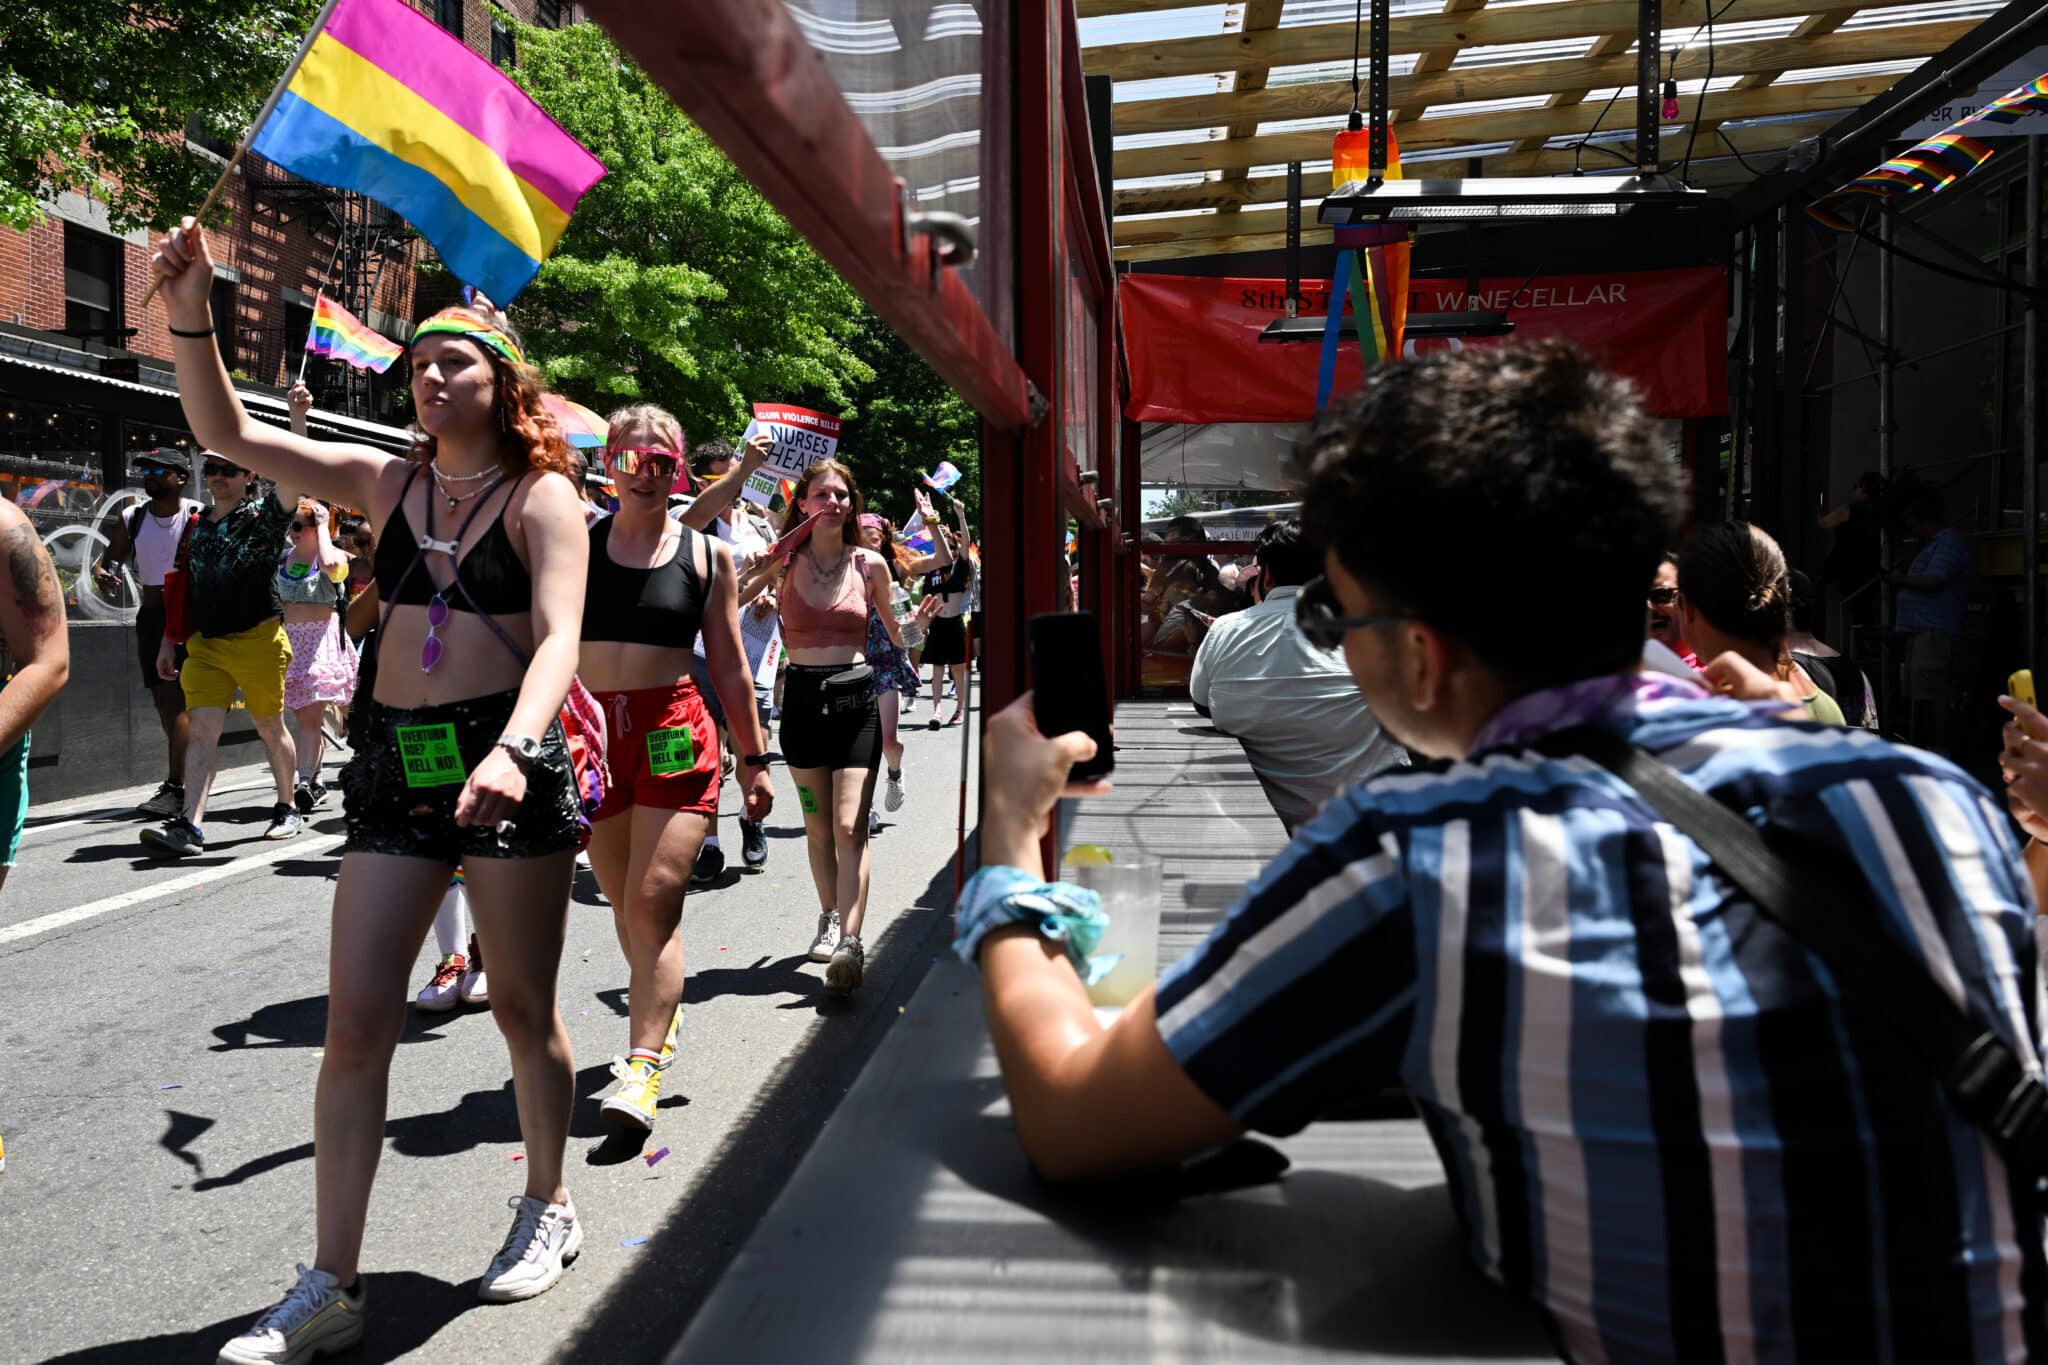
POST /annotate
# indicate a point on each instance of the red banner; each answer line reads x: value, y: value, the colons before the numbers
x: 1195, y: 353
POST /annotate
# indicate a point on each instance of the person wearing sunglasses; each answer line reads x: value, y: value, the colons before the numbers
x: 148, y: 537
x: 460, y: 760
x: 653, y: 587
x: 238, y: 646
x: 1289, y: 700
x: 1667, y: 622
x: 311, y: 582
x: 1665, y: 1121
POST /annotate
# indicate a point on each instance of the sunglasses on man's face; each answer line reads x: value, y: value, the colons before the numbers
x: 1320, y: 616
x: 662, y: 464
x: 1663, y: 597
x: 220, y: 469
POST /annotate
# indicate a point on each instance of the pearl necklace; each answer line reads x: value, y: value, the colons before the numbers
x: 455, y: 500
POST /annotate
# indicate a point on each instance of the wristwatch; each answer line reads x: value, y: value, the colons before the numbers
x: 525, y: 751
x: 754, y: 760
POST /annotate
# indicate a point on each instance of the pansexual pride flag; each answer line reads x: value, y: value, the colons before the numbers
x: 338, y: 334
x: 387, y: 103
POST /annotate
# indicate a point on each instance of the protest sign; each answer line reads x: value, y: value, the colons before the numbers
x: 800, y: 437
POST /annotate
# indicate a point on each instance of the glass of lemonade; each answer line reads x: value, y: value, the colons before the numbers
x: 1130, y: 894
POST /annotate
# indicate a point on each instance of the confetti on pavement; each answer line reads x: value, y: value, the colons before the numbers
x: 170, y: 1087
x: 653, y: 1157
x: 519, y: 1156
x: 243, y: 972
x: 633, y: 1242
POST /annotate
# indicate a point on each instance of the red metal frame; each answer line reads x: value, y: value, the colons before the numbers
x: 744, y: 71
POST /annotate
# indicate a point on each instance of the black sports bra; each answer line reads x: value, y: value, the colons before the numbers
x: 661, y: 606
x: 493, y: 580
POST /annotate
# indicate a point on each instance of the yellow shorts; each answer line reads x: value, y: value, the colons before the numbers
x: 252, y: 660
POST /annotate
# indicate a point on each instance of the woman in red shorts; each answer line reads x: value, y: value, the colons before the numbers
x: 652, y: 584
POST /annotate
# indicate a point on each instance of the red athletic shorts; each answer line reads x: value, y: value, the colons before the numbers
x: 663, y: 750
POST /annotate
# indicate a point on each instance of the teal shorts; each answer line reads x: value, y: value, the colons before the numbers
x: 14, y: 797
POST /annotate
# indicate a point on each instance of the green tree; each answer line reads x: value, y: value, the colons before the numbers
x: 95, y: 96
x: 1179, y: 503
x: 903, y: 422
x: 676, y: 283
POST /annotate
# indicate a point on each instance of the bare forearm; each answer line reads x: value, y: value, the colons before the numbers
x: 212, y: 409
x: 546, y: 684
x: 1010, y: 838
x: 714, y: 500
x: 29, y: 693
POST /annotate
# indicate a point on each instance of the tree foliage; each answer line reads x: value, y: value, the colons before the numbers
x: 1178, y: 503
x: 905, y: 421
x: 94, y: 97
x: 676, y: 283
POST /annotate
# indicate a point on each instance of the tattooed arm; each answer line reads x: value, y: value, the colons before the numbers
x: 31, y: 625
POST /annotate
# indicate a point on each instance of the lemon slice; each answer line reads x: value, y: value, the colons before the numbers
x: 1087, y: 855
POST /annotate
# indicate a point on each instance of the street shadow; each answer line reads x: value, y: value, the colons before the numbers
x: 410, y: 1310
x: 762, y: 978
x: 326, y: 866
x: 480, y: 1118
x: 614, y: 999
x: 584, y: 889
x: 179, y: 1134
x: 303, y: 1023
x: 140, y: 859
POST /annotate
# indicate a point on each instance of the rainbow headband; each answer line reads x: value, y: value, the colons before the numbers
x: 458, y: 322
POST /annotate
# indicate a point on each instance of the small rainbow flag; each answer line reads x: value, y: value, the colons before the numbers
x: 2011, y: 107
x: 339, y: 335
x: 387, y: 103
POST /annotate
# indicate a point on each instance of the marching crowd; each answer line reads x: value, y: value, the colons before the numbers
x: 530, y: 664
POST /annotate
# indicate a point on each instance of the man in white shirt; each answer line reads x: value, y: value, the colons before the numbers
x: 1295, y: 708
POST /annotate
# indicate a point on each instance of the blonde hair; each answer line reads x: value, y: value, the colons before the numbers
x: 657, y: 422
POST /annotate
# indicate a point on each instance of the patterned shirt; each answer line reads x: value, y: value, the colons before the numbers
x: 1947, y: 556
x: 234, y: 566
x: 1649, y: 1104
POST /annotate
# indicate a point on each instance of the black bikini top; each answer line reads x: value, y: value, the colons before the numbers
x: 494, y: 582
x: 660, y: 606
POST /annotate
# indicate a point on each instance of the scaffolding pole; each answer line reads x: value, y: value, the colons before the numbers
x: 2030, y: 416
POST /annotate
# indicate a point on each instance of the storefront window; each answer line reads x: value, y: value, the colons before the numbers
x: 50, y: 466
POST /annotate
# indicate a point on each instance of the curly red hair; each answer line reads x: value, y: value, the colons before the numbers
x: 530, y: 437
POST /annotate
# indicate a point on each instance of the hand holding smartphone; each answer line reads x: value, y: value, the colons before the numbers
x: 1070, y: 687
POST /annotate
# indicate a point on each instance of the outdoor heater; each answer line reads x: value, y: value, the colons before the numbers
x: 1482, y: 200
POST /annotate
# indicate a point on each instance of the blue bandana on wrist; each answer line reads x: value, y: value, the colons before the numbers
x: 1069, y: 915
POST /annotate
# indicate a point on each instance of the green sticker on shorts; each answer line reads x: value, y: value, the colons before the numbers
x: 806, y: 800
x: 671, y: 751
x: 430, y: 756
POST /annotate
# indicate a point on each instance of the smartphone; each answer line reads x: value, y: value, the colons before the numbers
x: 2020, y: 687
x: 1070, y: 687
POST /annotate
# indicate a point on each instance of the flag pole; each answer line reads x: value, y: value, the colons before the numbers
x: 262, y: 117
x: 306, y: 351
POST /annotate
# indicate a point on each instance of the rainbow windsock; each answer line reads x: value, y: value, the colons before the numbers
x: 1379, y: 253
x: 387, y: 103
x: 2014, y: 105
x: 339, y: 335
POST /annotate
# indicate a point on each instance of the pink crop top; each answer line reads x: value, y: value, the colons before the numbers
x: 844, y: 623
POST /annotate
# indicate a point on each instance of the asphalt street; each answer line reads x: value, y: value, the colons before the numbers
x: 160, y: 1034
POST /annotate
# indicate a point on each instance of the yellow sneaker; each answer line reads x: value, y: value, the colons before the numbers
x: 632, y: 1105
x: 668, y: 1044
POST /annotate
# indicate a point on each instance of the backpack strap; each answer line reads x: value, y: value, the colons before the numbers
x: 1823, y: 903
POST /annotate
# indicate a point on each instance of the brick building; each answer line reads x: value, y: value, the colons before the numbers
x: 86, y: 381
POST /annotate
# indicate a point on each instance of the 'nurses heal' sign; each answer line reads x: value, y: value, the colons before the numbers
x: 801, y: 438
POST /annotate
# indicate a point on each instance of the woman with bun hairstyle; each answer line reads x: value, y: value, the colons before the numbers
x: 1735, y: 597
x: 653, y: 585
x: 459, y: 761
x: 831, y: 725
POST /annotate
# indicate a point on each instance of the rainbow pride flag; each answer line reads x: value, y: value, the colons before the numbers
x: 339, y: 335
x: 387, y: 103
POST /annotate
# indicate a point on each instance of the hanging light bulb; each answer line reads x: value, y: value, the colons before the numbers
x: 1671, y: 101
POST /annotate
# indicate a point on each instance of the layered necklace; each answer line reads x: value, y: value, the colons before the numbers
x: 442, y: 481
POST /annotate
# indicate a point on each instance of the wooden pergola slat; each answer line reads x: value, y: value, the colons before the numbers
x: 1449, y: 31
x: 1330, y: 98
x: 1458, y: 130
x: 1131, y: 231
x: 1259, y: 16
x: 1436, y: 59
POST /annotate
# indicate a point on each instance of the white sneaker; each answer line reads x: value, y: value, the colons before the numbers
x: 892, y: 794
x: 874, y: 822
x: 444, y: 992
x: 315, y: 1318
x: 476, y: 987
x: 828, y: 936
x: 544, y: 1239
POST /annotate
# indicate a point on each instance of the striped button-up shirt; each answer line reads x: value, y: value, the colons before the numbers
x: 1650, y: 1106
